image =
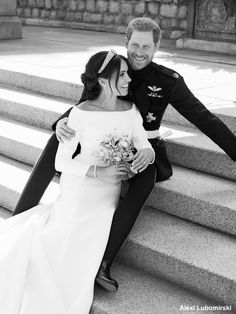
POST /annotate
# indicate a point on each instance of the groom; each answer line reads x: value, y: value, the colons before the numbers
x: 152, y: 88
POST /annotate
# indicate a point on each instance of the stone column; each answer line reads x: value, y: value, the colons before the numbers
x: 10, y: 24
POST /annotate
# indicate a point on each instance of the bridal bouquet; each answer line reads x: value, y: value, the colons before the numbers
x: 115, y: 149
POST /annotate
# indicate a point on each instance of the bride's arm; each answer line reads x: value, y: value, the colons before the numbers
x: 64, y: 162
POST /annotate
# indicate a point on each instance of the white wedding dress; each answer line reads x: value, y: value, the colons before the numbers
x: 50, y: 254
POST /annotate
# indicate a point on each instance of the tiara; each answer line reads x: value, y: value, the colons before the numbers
x: 108, y: 58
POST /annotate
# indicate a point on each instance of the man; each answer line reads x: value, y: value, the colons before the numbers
x: 152, y: 88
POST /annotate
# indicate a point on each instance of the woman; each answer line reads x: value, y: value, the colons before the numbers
x: 50, y: 254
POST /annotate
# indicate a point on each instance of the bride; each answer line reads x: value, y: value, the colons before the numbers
x: 50, y: 254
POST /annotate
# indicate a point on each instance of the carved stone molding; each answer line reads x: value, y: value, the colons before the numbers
x: 215, y: 19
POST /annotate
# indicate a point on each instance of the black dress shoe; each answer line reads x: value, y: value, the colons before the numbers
x: 104, y: 279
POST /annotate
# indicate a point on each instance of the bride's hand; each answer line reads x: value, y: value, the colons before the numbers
x: 142, y: 159
x: 120, y: 169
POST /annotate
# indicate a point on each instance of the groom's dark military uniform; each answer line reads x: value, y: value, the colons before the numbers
x: 155, y: 86
x: 152, y: 89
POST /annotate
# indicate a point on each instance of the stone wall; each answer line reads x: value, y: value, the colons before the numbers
x: 105, y: 15
x: 10, y: 24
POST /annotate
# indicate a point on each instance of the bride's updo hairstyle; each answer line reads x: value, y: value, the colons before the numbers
x: 102, y: 64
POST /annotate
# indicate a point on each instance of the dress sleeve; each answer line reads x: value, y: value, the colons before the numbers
x: 64, y: 162
x: 139, y: 133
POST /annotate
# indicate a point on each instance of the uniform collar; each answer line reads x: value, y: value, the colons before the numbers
x: 141, y: 74
x: 138, y: 87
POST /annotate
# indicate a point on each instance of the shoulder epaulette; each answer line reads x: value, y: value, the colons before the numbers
x: 169, y: 72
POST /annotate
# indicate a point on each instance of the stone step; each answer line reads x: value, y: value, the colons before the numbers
x: 223, y: 109
x: 43, y: 111
x: 186, y: 147
x: 198, y: 197
x: 192, y: 149
x: 193, y: 256
x: 44, y: 84
x: 141, y: 293
x: 22, y: 142
x: 14, y: 176
x: 31, y: 108
x: 161, y: 244
x: 4, y: 213
x: 33, y: 82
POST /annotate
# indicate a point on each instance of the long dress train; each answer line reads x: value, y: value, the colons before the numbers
x: 50, y: 254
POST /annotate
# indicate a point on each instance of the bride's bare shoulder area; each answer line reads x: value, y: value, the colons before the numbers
x: 86, y: 106
x: 126, y: 105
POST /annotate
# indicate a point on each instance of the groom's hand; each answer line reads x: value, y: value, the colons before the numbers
x: 63, y: 131
x: 142, y: 159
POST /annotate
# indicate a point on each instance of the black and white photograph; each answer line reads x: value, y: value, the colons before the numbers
x: 117, y: 156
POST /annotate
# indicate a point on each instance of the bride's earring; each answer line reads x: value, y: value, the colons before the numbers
x: 102, y: 81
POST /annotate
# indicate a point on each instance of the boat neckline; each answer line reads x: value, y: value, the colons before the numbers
x: 105, y: 110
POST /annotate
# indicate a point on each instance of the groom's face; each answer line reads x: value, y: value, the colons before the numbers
x: 140, y: 49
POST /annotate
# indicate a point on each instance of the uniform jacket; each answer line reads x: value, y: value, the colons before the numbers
x: 156, y: 86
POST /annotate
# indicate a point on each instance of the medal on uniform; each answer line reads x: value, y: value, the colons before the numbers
x: 150, y: 117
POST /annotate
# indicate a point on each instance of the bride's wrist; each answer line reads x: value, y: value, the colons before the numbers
x: 99, y: 172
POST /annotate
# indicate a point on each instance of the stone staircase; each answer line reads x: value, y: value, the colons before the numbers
x: 182, y: 250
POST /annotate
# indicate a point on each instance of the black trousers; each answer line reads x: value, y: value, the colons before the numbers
x: 140, y: 186
x: 40, y: 177
x: 126, y: 213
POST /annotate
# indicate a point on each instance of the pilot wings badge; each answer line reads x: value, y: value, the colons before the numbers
x: 154, y: 91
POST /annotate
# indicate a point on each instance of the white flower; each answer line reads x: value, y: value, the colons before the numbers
x: 123, y: 143
x: 115, y: 148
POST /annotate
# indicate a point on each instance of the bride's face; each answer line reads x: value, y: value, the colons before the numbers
x: 121, y: 87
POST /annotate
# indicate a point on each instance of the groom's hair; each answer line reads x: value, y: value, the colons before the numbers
x: 89, y: 78
x: 144, y: 24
